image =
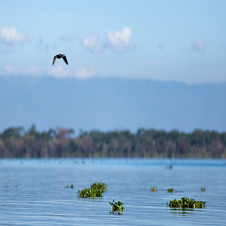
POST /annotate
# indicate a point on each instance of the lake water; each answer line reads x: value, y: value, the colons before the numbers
x: 32, y: 192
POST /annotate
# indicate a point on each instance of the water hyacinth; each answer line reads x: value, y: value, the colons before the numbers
x: 186, y: 203
x: 88, y: 193
x: 116, y: 206
x: 170, y: 167
x: 95, y: 190
x: 67, y: 186
x: 102, y: 187
x: 203, y: 189
x: 170, y: 190
x: 154, y: 189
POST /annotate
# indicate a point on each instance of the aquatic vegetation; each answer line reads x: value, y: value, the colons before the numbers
x: 116, y: 206
x: 154, y: 189
x: 170, y: 167
x: 88, y: 193
x: 186, y: 203
x: 170, y: 190
x: 203, y: 189
x: 67, y: 186
x: 102, y: 187
x: 95, y: 190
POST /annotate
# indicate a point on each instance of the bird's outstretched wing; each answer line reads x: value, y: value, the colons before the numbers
x: 65, y: 59
x: 54, y: 59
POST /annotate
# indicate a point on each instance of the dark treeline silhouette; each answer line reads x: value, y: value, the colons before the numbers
x: 17, y: 143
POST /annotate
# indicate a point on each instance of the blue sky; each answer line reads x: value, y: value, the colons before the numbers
x: 162, y: 40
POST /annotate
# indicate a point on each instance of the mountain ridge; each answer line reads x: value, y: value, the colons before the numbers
x: 111, y: 104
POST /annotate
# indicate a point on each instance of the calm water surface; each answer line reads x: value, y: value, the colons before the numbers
x: 32, y: 192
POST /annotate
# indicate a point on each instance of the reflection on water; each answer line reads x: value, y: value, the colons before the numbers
x: 185, y: 211
x: 115, y: 212
x: 33, y: 192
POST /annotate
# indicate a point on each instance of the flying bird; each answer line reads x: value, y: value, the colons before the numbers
x: 58, y: 56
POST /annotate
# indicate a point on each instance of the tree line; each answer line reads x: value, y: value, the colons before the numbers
x: 15, y: 142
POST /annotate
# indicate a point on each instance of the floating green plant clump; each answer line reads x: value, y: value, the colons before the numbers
x: 186, y: 203
x: 203, y: 189
x: 170, y: 167
x: 102, y: 187
x: 154, y: 189
x: 87, y: 193
x: 116, y: 206
x: 95, y: 190
x: 170, y: 190
x: 67, y: 186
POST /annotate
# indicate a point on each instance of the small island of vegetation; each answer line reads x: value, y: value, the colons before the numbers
x: 69, y: 186
x: 170, y: 190
x: 186, y: 203
x: 116, y: 206
x: 95, y: 190
x: 154, y: 189
x: 203, y: 189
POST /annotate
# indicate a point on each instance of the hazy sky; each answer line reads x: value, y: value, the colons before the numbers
x: 163, y: 40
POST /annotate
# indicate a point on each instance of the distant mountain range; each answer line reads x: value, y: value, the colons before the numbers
x: 110, y: 104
